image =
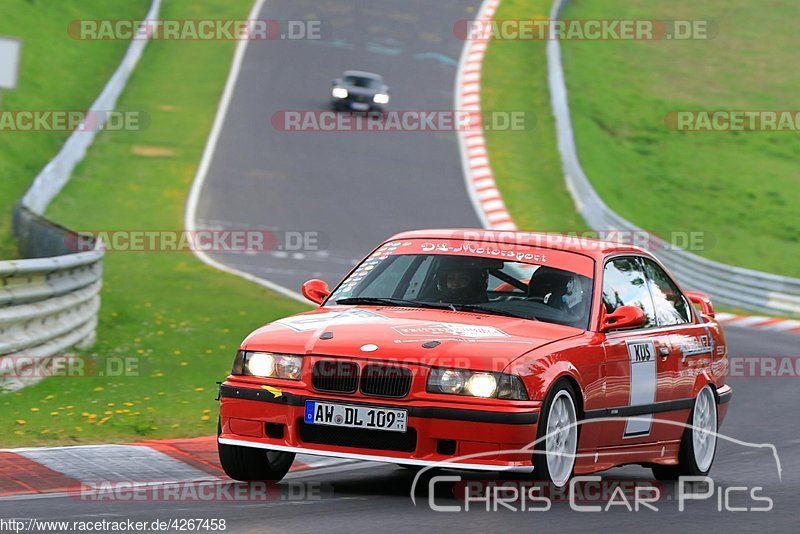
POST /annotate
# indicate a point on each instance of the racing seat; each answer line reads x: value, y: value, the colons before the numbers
x: 548, y: 285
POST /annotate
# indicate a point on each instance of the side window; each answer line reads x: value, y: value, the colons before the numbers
x: 624, y: 284
x: 670, y: 304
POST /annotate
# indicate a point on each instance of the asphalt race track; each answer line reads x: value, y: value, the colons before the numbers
x: 356, y: 189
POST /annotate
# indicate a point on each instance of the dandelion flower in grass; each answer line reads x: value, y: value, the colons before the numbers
x: 34, y: 409
x: 199, y: 389
x: 48, y: 397
x: 184, y: 364
x: 205, y: 417
x: 174, y: 425
x: 176, y: 352
x: 107, y: 412
x: 53, y: 413
x: 206, y: 411
x: 127, y: 404
x: 99, y: 388
x: 110, y: 405
x: 21, y: 421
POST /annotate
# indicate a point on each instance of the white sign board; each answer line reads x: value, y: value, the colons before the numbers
x: 9, y: 61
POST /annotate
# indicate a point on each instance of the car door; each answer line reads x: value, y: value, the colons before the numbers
x: 693, y: 344
x: 638, y: 370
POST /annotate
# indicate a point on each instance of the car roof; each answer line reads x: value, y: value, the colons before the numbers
x: 593, y: 248
x: 362, y: 74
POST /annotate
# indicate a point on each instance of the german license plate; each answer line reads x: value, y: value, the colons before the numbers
x: 368, y: 417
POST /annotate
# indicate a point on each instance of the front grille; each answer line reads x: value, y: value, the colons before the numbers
x: 359, y: 437
x: 335, y: 376
x: 385, y: 380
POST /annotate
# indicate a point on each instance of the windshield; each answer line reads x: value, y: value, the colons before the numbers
x: 360, y: 81
x: 470, y: 283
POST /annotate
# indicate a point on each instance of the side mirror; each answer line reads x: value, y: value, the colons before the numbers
x: 623, y: 317
x: 316, y: 290
x: 702, y: 300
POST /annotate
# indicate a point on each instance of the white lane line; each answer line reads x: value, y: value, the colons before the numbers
x: 205, y: 162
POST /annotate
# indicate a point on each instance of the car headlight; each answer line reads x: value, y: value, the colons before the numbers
x: 476, y: 384
x: 381, y: 98
x: 268, y: 365
x: 339, y: 92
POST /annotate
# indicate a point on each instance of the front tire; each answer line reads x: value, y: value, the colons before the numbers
x: 248, y: 463
x: 557, y: 437
x: 699, y: 441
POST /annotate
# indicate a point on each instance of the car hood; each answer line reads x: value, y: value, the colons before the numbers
x: 410, y: 335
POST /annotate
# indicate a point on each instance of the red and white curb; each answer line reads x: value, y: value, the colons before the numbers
x: 41, y: 470
x: 772, y: 324
x: 478, y: 175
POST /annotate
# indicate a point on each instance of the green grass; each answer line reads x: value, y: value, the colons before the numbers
x: 55, y: 72
x: 526, y: 163
x: 739, y: 188
x: 182, y: 320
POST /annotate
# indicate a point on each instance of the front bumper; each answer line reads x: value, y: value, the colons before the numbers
x: 446, y: 434
x: 356, y: 104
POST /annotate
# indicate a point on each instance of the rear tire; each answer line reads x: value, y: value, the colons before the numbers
x: 699, y: 441
x: 554, y: 460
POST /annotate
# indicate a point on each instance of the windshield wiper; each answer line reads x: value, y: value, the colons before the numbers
x: 388, y: 301
x: 494, y: 311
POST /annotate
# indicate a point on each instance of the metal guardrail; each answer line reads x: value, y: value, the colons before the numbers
x: 46, y: 306
x: 49, y: 304
x: 726, y: 284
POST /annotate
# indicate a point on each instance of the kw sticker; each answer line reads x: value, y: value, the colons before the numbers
x: 642, y: 355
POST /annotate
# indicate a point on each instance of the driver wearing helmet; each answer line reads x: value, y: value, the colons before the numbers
x: 462, y: 280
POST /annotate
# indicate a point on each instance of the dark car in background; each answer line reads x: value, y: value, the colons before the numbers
x: 357, y: 90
